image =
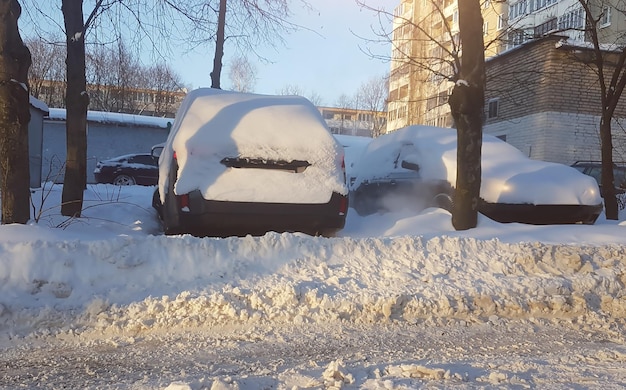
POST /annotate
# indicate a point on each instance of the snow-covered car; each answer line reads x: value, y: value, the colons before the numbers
x: 353, y: 146
x: 129, y: 169
x: 415, y: 167
x: 594, y: 169
x: 237, y: 164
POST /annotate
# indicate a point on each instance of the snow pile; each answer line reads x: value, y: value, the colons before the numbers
x: 133, y: 282
x: 397, y: 301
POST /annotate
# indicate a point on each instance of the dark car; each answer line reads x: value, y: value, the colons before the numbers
x: 594, y: 169
x: 130, y: 169
x: 238, y: 164
x: 415, y: 168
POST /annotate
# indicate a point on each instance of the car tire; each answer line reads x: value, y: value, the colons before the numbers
x: 124, y: 180
x: 444, y: 201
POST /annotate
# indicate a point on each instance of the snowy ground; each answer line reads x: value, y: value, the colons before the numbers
x: 395, y: 302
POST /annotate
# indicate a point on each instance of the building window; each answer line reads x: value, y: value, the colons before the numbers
x: 486, y: 28
x: 518, y: 9
x: 501, y: 22
x: 605, y: 17
x: 573, y: 19
x: 545, y: 28
x: 493, y: 108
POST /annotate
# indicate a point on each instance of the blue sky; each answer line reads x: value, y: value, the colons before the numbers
x: 326, y: 60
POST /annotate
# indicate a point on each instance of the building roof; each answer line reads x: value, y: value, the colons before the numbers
x: 38, y: 104
x: 60, y: 114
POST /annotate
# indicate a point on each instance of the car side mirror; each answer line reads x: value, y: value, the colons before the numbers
x: 409, y: 165
x: 156, y: 152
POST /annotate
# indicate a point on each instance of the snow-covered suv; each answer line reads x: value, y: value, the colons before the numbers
x: 237, y: 163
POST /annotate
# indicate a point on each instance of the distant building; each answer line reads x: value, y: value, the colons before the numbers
x: 138, y: 101
x: 349, y: 121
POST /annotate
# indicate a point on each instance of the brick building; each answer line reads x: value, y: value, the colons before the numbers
x: 543, y: 98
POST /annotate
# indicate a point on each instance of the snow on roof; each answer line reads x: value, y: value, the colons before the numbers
x: 574, y: 44
x: 115, y: 118
x: 212, y: 124
x: 38, y: 104
x: 508, y: 176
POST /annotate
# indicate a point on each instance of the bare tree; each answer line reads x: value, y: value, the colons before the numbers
x: 372, y: 98
x: 610, y: 66
x: 296, y: 90
x: 247, y: 24
x: 76, y: 102
x: 14, y: 117
x: 46, y: 76
x: 162, y: 80
x: 291, y: 89
x: 315, y: 98
x: 346, y: 103
x: 220, y: 39
x: 242, y: 74
x: 467, y: 106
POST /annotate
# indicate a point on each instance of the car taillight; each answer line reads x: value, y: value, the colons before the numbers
x: 343, y: 205
x: 183, y: 202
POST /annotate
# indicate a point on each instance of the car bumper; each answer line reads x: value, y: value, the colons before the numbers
x: 541, y: 214
x: 102, y: 178
x: 221, y: 218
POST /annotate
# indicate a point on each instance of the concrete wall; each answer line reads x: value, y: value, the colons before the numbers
x: 35, y: 146
x: 559, y: 137
x: 103, y: 141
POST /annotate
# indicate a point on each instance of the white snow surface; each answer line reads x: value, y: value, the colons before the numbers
x: 395, y: 301
x: 508, y: 176
x: 213, y: 124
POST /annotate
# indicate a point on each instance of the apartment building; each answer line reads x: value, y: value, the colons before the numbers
x: 426, y: 31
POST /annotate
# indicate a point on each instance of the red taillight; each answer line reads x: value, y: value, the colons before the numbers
x: 183, y: 201
x: 175, y: 156
x: 343, y: 205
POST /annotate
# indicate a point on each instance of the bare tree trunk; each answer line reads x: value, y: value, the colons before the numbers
x: 76, y: 101
x: 467, y: 104
x: 608, y: 179
x: 14, y: 117
x: 219, y: 46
